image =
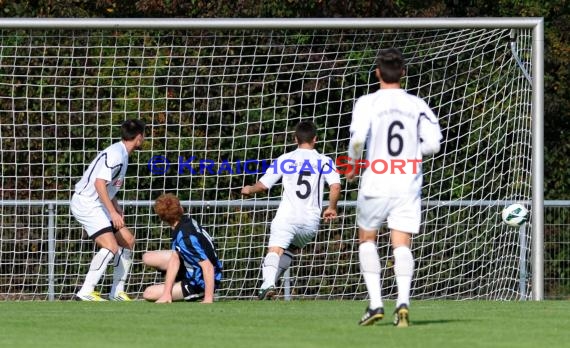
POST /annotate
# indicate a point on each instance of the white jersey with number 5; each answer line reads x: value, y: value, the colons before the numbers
x: 398, y: 128
x: 303, y: 173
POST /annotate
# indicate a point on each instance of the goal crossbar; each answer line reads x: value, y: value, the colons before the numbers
x: 270, y: 23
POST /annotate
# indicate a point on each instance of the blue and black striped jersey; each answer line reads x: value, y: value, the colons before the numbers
x: 194, y: 245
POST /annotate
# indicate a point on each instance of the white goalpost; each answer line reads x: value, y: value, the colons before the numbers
x: 221, y: 97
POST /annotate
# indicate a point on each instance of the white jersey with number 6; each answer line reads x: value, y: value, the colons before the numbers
x: 396, y: 127
x: 303, y: 173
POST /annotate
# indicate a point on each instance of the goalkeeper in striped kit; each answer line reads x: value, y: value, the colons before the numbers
x: 396, y: 126
x: 303, y: 173
x: 95, y: 206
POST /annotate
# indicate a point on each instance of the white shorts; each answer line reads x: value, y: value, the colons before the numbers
x: 93, y: 217
x: 284, y: 234
x: 401, y: 213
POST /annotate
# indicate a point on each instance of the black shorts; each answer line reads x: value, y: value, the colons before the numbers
x: 191, y: 292
x: 108, y: 229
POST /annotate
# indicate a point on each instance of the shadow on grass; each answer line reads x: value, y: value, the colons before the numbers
x: 439, y: 321
x: 426, y: 322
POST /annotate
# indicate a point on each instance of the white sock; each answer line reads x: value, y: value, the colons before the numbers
x: 370, y: 268
x: 122, y: 263
x: 270, y: 266
x: 96, y: 269
x: 404, y: 270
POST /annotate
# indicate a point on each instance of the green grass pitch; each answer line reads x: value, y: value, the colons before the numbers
x: 282, y: 324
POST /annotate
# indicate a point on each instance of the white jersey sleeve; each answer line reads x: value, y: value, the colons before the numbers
x: 109, y: 165
x: 429, y: 131
x: 330, y: 172
x: 359, y: 129
x: 273, y: 173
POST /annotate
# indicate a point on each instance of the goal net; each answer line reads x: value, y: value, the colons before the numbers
x: 218, y: 104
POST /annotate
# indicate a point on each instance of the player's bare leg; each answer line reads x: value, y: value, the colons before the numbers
x: 153, y: 292
x: 157, y: 259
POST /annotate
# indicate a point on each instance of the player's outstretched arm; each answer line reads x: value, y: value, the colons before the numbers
x: 253, y: 189
x: 171, y: 271
x: 334, y: 195
x: 209, y: 280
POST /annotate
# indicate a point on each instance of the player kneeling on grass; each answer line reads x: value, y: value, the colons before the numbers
x: 193, y: 270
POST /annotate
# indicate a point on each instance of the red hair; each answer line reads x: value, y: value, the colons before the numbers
x: 168, y: 208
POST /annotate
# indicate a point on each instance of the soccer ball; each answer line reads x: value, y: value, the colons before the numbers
x: 515, y: 215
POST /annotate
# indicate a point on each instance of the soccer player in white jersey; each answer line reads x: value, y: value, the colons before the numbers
x: 96, y: 208
x: 398, y: 129
x: 303, y: 173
